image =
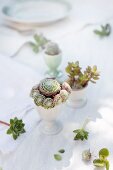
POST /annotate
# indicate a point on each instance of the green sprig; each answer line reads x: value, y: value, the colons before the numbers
x: 40, y: 42
x: 102, y: 160
x: 16, y: 128
x: 81, y: 134
x: 105, y: 30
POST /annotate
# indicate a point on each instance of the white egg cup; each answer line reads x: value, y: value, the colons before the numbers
x: 53, y: 62
x: 77, y: 98
x: 49, y: 124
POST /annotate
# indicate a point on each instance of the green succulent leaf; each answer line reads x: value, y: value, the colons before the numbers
x: 57, y: 157
x: 35, y: 48
x: 104, y: 31
x: 107, y: 165
x: 103, y: 153
x: 16, y: 128
x: 9, y: 131
x: 99, y: 163
x: 61, y: 151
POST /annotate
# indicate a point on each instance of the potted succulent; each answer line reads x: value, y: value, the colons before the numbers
x: 78, y: 80
x: 53, y: 58
x: 48, y: 97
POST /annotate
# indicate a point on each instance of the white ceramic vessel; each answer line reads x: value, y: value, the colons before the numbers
x: 49, y: 124
x: 77, y: 98
x: 53, y: 62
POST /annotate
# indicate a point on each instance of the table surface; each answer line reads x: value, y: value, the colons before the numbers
x: 78, y: 42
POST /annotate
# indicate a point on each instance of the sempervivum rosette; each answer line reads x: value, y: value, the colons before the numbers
x: 49, y: 93
x: 49, y: 87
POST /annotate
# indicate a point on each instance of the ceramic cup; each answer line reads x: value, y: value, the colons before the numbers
x: 53, y: 62
x: 49, y: 124
x: 77, y: 98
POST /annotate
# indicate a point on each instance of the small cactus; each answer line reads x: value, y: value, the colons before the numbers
x: 52, y: 49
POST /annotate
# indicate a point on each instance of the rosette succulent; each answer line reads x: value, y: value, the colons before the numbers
x: 49, y: 87
x: 64, y: 95
x: 49, y: 93
x: 52, y: 49
x: 16, y: 128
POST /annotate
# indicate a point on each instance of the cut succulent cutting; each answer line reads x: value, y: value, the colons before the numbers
x: 16, y: 128
x: 86, y: 155
x: 102, y: 160
x: 99, y: 163
x: 49, y: 93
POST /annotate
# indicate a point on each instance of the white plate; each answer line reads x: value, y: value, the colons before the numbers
x: 36, y: 12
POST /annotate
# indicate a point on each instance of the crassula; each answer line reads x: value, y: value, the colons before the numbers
x: 49, y: 93
x: 79, y: 79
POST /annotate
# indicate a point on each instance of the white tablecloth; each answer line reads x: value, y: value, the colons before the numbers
x: 78, y: 42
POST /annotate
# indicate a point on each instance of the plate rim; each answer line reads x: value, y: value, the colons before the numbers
x: 26, y: 22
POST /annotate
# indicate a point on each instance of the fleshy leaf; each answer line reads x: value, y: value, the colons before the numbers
x: 57, y: 157
x: 99, y: 163
x: 107, y: 165
x: 104, y: 153
x: 61, y: 151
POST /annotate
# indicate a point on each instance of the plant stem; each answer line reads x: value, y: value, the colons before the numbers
x: 4, y: 123
x: 85, y: 123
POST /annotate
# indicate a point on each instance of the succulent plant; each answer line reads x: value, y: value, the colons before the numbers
x: 40, y: 42
x: 48, y: 103
x: 52, y: 49
x: 50, y: 93
x: 78, y: 79
x: 86, y: 155
x: 38, y: 99
x: 49, y: 87
x: 16, y: 128
x: 64, y: 95
x: 34, y: 93
x: 66, y: 86
x: 105, y: 30
x: 57, y: 99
